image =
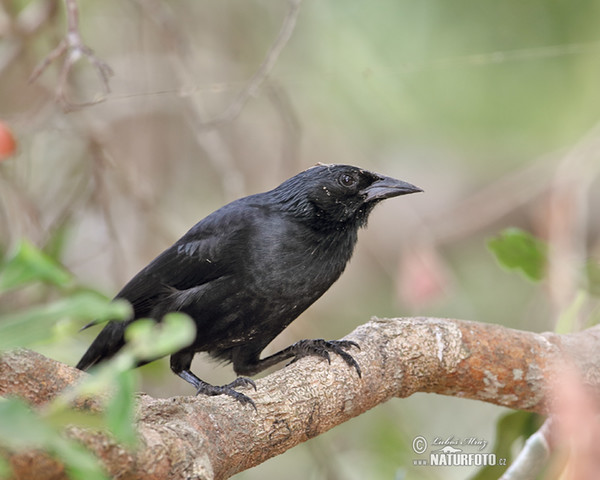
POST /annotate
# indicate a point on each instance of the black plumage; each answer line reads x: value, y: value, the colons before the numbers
x: 247, y: 270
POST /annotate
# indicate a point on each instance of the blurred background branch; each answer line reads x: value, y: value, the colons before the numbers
x: 72, y: 48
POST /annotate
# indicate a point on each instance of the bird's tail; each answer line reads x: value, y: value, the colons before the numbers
x: 107, y: 343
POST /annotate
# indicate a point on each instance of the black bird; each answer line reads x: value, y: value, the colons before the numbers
x: 247, y: 270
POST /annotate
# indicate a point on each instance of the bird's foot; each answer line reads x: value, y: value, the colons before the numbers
x: 205, y: 388
x: 322, y: 348
x: 211, y: 390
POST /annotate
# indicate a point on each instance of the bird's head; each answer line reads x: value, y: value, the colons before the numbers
x: 339, y: 194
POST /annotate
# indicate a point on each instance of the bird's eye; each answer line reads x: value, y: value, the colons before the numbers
x: 347, y: 180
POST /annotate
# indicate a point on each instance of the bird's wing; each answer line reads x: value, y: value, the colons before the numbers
x: 201, y: 256
x: 212, y: 249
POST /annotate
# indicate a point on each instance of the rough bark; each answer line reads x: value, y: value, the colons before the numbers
x: 215, y: 437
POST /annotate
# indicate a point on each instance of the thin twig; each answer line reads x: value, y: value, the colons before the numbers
x: 26, y: 24
x: 206, y: 131
x: 568, y: 215
x: 265, y: 68
x: 292, y: 127
x: 73, y: 48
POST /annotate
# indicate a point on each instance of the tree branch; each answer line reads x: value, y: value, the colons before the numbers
x: 215, y: 437
x: 265, y: 68
x: 73, y: 48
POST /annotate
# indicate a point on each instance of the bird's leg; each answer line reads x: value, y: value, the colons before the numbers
x: 302, y: 348
x: 178, y: 365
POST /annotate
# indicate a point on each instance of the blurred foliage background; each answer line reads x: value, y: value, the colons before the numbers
x: 490, y: 107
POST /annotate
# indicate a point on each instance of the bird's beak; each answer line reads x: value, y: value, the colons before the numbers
x: 387, y: 187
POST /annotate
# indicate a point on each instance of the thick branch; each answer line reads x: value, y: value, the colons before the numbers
x: 215, y: 437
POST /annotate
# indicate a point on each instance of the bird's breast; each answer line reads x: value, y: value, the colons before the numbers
x: 304, y: 264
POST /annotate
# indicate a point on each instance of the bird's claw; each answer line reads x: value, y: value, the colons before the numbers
x: 228, y: 390
x: 345, y: 344
x: 321, y: 348
x: 242, y: 382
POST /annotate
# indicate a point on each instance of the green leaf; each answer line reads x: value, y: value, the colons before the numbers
x: 29, y: 264
x: 21, y: 428
x: 35, y: 324
x: 518, y: 250
x: 57, y: 241
x: 150, y: 340
x: 569, y: 317
x: 121, y: 408
x: 510, y: 428
x: 592, y: 270
x: 5, y: 469
x: 101, y: 379
x: 80, y: 463
x: 60, y: 413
